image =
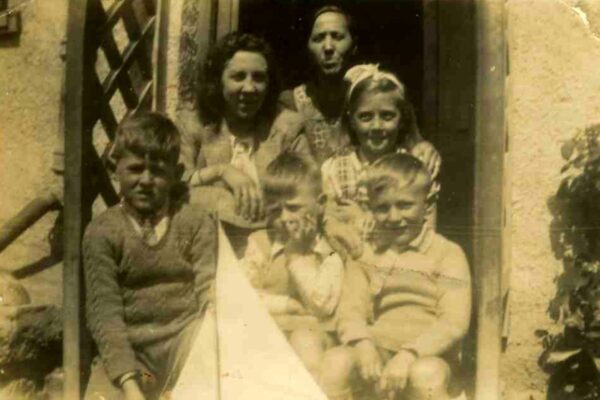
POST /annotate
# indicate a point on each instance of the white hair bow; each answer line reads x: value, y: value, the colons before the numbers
x: 360, y: 72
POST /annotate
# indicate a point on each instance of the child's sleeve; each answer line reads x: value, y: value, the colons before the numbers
x: 253, y: 264
x: 204, y: 257
x: 319, y: 286
x: 355, y: 310
x: 454, y: 307
x: 104, y: 304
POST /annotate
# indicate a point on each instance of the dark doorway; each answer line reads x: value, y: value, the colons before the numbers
x: 438, y: 71
x: 389, y: 33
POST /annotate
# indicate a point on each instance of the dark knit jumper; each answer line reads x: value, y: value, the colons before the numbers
x: 137, y: 294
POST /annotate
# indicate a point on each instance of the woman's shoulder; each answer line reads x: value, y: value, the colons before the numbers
x: 286, y: 100
x: 287, y: 116
x: 286, y: 123
x: 190, y: 125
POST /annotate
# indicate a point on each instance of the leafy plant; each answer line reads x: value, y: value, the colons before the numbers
x: 575, y: 238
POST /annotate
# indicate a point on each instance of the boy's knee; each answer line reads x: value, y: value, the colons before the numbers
x: 306, y: 338
x: 337, y: 364
x: 309, y: 347
x: 429, y: 373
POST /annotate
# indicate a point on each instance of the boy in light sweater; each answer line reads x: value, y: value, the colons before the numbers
x: 149, y: 264
x: 406, y: 303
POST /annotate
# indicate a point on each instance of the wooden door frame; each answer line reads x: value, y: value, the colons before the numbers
x: 489, y: 238
x: 490, y: 217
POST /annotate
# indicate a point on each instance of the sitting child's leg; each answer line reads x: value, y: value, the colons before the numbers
x: 337, y: 372
x: 428, y: 379
x: 309, y: 346
x: 165, y: 359
x: 99, y: 386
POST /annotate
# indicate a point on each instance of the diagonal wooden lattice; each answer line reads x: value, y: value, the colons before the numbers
x: 121, y: 77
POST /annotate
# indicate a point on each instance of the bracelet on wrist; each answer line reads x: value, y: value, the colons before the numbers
x: 127, y: 376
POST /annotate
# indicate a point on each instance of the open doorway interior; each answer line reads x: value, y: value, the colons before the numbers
x: 389, y: 33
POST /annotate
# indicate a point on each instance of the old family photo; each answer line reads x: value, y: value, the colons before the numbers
x: 285, y: 199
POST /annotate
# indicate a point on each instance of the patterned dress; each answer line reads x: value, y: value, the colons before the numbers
x: 324, y: 135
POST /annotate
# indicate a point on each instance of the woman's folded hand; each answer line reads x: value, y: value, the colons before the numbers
x: 248, y: 196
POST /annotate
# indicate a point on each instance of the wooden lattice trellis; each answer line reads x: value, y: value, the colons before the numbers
x: 121, y: 81
x: 115, y: 66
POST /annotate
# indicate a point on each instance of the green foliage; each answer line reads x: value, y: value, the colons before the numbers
x: 575, y: 238
x: 575, y: 232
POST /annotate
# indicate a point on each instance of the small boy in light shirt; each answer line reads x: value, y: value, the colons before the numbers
x: 406, y: 303
x: 295, y: 271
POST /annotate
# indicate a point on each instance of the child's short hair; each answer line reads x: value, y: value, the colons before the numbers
x: 393, y: 170
x: 148, y: 133
x: 289, y: 171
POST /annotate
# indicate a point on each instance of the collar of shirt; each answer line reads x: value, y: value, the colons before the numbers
x: 160, y: 221
x: 423, y: 241
x: 320, y: 247
x: 420, y: 244
x: 380, y: 266
x: 242, y: 145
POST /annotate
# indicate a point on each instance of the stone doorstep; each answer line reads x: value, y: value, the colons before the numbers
x: 29, y: 333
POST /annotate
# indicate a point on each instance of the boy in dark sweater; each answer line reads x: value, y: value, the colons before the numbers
x: 149, y: 265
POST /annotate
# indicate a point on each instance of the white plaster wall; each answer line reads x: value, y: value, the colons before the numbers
x: 554, y: 90
x: 30, y: 81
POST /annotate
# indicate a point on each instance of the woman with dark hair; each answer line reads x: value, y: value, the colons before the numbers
x: 237, y: 133
x: 379, y: 120
x: 331, y: 46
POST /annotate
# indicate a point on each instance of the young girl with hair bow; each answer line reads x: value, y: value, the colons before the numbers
x: 379, y: 119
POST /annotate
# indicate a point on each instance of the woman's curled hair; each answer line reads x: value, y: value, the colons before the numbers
x: 210, y: 92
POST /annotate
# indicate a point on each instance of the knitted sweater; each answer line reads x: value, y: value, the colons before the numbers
x: 418, y: 299
x: 137, y: 294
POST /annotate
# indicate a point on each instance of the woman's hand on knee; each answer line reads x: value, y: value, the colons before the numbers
x: 369, y: 360
x: 395, y: 374
x: 247, y: 194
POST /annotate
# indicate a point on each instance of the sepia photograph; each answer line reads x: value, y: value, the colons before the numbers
x: 300, y: 199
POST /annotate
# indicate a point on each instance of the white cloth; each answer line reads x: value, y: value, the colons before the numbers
x: 241, y: 353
